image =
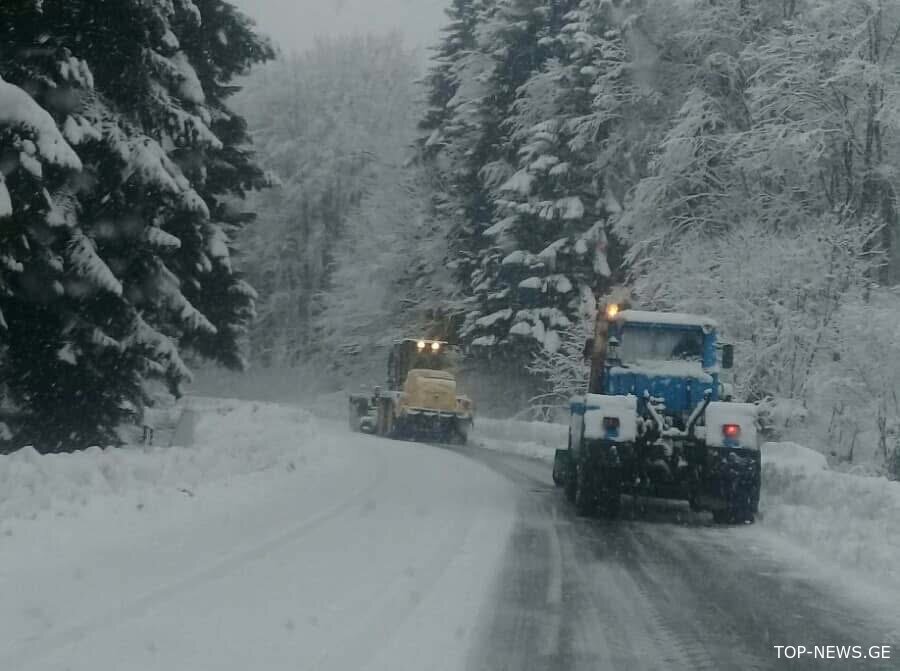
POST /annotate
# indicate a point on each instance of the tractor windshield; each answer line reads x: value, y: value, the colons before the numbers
x: 639, y: 343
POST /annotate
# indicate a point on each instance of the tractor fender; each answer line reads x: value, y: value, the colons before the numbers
x: 600, y: 407
x: 743, y: 415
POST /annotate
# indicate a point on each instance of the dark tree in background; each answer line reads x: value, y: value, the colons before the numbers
x: 119, y: 154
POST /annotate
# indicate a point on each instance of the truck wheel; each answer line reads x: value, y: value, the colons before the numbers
x: 561, y: 461
x: 694, y: 504
x: 557, y: 478
x: 740, y: 505
x: 569, y: 488
x: 733, y: 516
x: 722, y: 516
x: 610, y: 499
x: 612, y: 506
x: 585, y: 490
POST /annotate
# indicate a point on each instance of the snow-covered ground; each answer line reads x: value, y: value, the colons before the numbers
x: 851, y: 520
x: 276, y: 541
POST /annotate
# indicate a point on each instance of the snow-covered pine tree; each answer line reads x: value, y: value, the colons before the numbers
x: 461, y: 130
x: 442, y: 80
x: 224, y: 45
x: 97, y: 302
x: 548, y: 247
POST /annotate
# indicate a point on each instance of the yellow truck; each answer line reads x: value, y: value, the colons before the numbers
x: 421, y: 401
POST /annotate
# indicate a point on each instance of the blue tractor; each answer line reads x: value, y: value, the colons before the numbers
x: 657, y: 421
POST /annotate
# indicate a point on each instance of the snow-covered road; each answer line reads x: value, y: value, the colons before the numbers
x: 303, y: 546
x: 380, y: 561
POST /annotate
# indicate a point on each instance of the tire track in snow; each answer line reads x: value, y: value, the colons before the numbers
x: 661, y: 588
x: 552, y: 629
x: 61, y: 638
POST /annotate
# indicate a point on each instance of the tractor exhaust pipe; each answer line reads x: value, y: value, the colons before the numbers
x: 698, y: 411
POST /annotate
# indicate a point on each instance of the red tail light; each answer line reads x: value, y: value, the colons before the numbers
x: 732, y: 431
x: 610, y: 423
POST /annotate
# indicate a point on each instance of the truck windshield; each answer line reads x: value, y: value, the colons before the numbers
x: 641, y: 344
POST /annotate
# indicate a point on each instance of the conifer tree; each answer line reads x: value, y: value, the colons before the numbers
x: 118, y: 253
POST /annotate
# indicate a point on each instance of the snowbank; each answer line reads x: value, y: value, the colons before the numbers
x: 232, y: 439
x: 839, y: 517
x: 535, y: 440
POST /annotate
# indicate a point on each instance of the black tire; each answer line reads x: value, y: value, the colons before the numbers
x: 612, y: 508
x: 692, y: 503
x: 610, y: 499
x: 733, y: 516
x: 585, y: 490
x: 740, y: 506
x: 561, y: 467
x: 722, y: 516
x: 561, y: 464
x: 570, y: 487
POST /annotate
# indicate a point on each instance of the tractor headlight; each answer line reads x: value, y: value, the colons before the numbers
x: 421, y: 344
x: 435, y: 346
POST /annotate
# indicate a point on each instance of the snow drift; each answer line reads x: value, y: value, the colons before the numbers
x: 849, y: 519
x: 535, y: 440
x: 232, y: 439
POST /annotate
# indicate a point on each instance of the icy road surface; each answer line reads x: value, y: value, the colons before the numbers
x: 663, y: 588
x: 307, y: 547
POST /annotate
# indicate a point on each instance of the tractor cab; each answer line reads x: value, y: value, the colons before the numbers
x: 672, y: 357
x: 410, y: 354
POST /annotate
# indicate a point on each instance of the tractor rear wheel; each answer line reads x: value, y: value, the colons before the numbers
x: 609, y: 494
x: 570, y: 487
x: 585, y: 489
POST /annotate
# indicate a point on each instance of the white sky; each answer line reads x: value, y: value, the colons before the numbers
x: 295, y: 24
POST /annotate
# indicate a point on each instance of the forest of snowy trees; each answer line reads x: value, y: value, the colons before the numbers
x: 343, y: 253
x: 736, y: 158
x: 119, y: 163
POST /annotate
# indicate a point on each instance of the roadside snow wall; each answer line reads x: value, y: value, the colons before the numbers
x: 536, y: 440
x: 232, y: 439
x: 850, y: 519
